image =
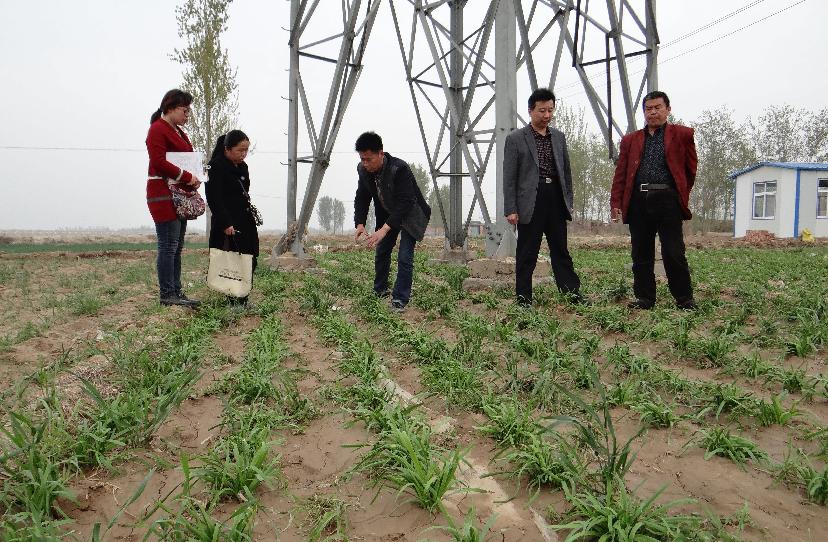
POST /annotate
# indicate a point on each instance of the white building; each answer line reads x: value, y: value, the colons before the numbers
x: 781, y: 197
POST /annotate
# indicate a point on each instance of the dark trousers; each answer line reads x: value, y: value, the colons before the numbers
x: 651, y: 213
x: 168, y: 263
x: 549, y: 218
x: 405, y: 264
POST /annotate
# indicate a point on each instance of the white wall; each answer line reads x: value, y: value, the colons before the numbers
x: 808, y: 183
x: 782, y: 223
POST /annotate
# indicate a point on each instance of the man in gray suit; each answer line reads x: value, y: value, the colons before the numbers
x: 537, y: 197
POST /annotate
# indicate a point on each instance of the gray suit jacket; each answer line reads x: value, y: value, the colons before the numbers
x: 521, y: 172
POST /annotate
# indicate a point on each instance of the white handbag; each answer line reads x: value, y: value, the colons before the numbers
x: 230, y: 272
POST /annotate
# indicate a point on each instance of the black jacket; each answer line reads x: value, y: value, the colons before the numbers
x: 407, y: 208
x: 230, y: 207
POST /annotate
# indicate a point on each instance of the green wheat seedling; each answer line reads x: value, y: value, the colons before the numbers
x: 794, y: 467
x: 597, y: 432
x: 625, y: 393
x: 816, y: 486
x: 238, y: 465
x: 469, y: 531
x: 626, y: 363
x: 682, y: 342
x: 459, y: 384
x: 542, y: 462
x: 193, y: 522
x: 725, y: 398
x: 721, y: 442
x: 33, y: 480
x: 795, y: 381
x: 656, y: 414
x: 84, y: 303
x: 774, y: 413
x: 754, y: 366
x: 714, y: 351
x: 509, y: 424
x: 619, y: 516
x: 404, y: 460
x: 379, y: 410
x: 326, y: 519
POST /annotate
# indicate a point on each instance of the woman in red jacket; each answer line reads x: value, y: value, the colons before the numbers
x: 165, y: 135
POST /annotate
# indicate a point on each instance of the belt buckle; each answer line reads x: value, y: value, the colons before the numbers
x: 643, y: 189
x: 547, y: 180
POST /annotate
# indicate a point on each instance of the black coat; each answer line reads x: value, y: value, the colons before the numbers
x: 407, y: 208
x: 230, y: 206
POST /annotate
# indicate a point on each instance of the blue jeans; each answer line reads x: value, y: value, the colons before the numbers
x: 405, y: 265
x: 170, y: 242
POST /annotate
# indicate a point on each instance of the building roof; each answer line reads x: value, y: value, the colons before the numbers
x: 786, y: 165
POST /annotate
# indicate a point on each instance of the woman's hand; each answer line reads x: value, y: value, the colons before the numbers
x: 229, y: 230
x: 194, y: 182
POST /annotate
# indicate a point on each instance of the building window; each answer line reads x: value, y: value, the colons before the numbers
x: 764, y: 200
x: 822, y: 198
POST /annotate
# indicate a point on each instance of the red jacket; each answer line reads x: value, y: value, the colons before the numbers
x: 161, y: 139
x: 680, y: 153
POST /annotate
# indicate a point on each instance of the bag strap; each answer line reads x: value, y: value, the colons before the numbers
x: 227, y: 240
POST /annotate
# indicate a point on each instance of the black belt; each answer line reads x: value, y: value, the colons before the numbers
x: 547, y: 180
x: 646, y: 187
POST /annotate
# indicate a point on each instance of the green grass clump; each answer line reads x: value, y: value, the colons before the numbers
x: 721, y: 442
x: 238, y: 465
x: 404, y: 459
x: 619, y: 516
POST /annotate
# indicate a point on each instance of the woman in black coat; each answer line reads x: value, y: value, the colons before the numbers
x: 233, y: 225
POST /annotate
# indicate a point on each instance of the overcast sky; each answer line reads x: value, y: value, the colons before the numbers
x: 81, y: 78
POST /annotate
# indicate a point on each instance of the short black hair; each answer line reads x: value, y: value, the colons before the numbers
x: 369, y: 141
x: 655, y: 95
x: 541, y: 95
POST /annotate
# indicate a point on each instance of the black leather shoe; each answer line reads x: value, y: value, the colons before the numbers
x: 191, y: 302
x: 576, y: 298
x: 175, y: 300
x: 383, y: 294
x: 687, y: 304
x: 641, y: 304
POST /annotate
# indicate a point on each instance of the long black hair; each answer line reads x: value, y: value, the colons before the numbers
x: 227, y: 141
x: 172, y: 99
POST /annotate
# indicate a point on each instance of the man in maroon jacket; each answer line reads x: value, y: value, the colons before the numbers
x: 650, y: 191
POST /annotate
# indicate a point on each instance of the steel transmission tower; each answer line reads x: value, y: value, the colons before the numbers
x: 462, y: 67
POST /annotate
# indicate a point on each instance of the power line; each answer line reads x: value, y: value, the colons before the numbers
x: 757, y: 21
x: 712, y: 23
x: 745, y: 27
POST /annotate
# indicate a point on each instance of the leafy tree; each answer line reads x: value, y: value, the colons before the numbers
x: 443, y: 194
x: 592, y: 170
x: 722, y: 146
x: 338, y: 216
x: 208, y: 75
x: 422, y: 177
x: 324, y: 211
x: 779, y: 135
x: 816, y: 136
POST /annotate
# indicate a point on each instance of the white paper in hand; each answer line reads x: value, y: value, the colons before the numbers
x: 188, y: 161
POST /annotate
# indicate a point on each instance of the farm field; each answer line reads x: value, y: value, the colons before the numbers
x: 319, y: 414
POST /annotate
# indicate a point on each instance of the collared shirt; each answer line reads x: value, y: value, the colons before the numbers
x: 546, y: 160
x: 653, y: 167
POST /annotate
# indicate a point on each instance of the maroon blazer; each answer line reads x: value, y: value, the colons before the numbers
x: 680, y: 152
